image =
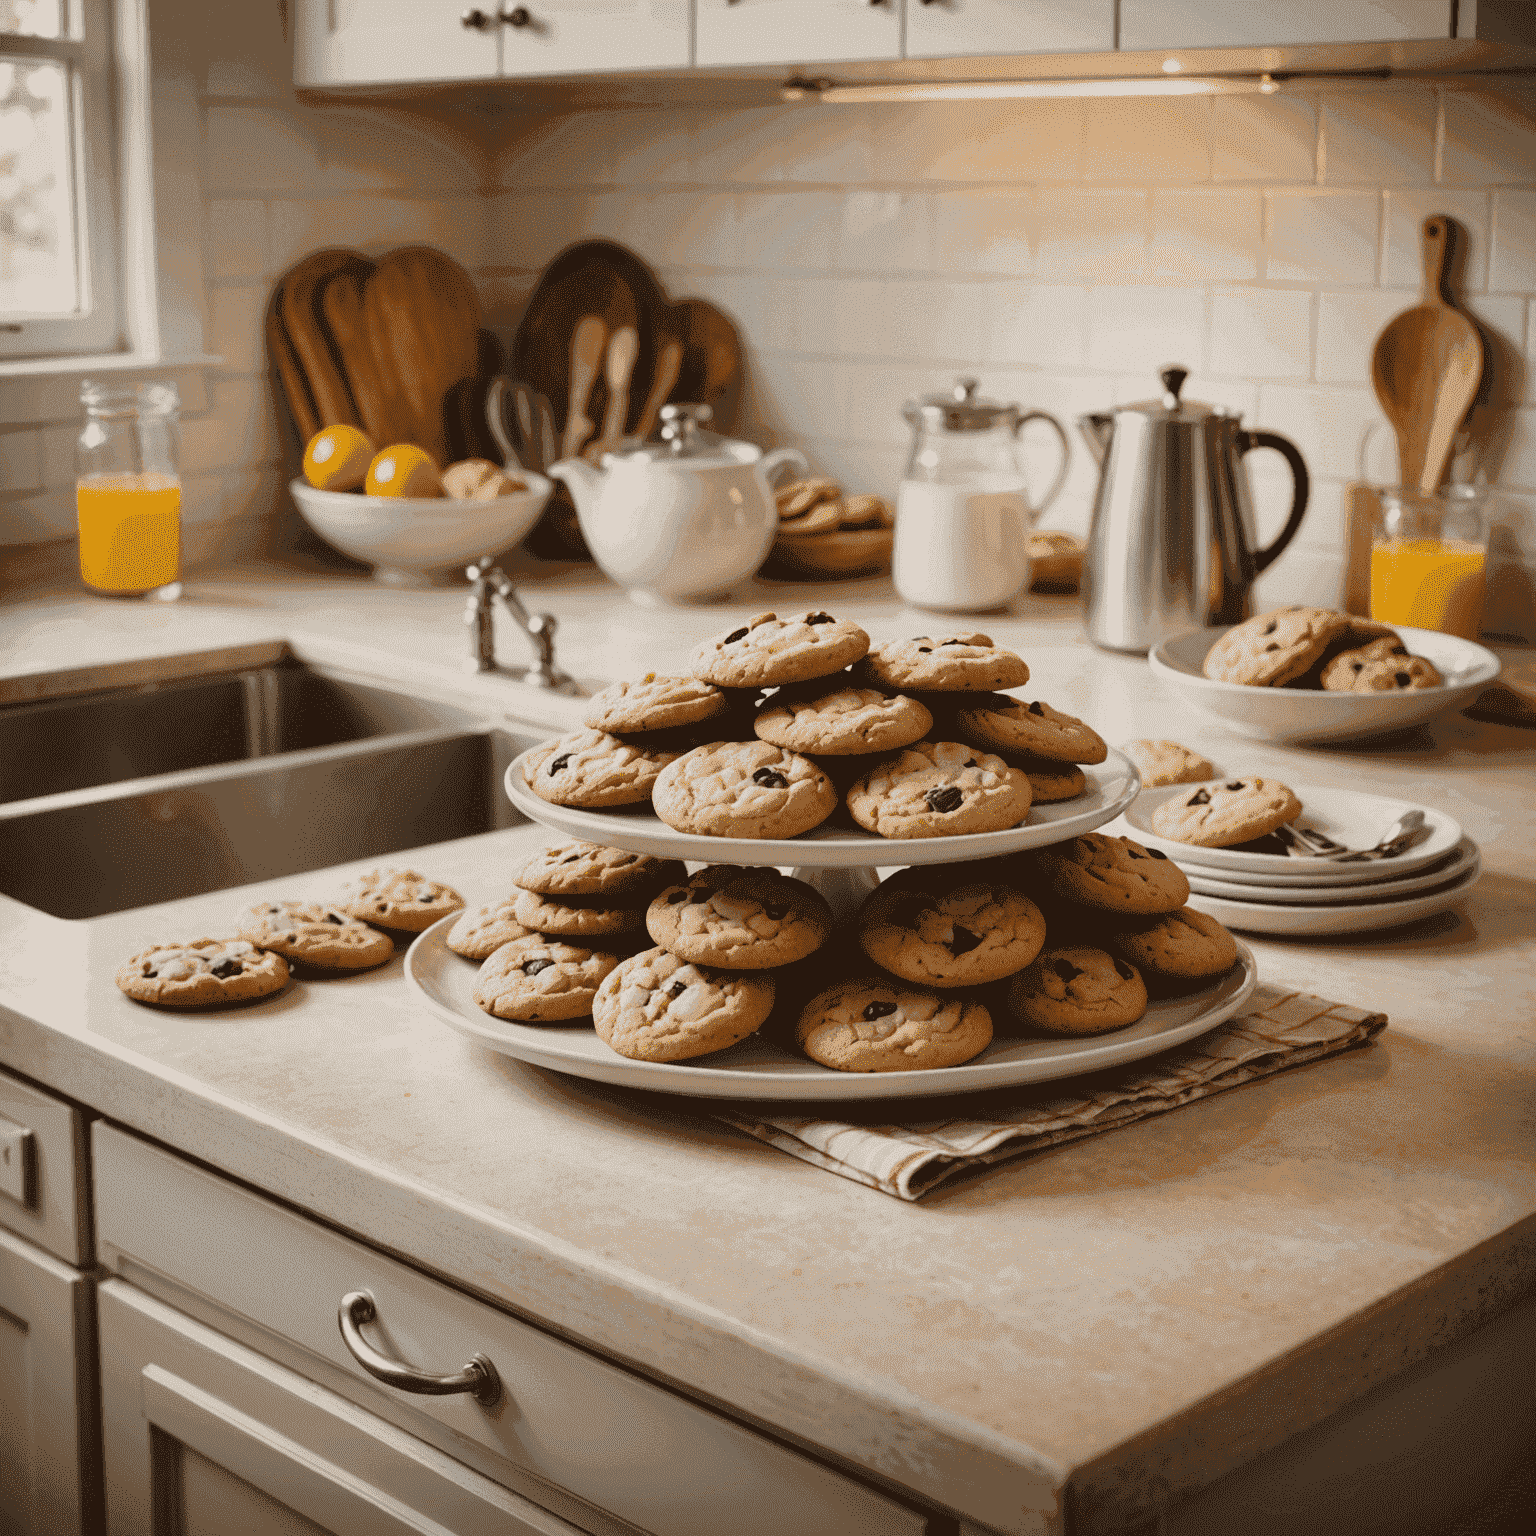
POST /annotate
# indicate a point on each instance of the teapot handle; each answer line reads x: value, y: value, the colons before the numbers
x: 1301, y: 489
x: 778, y: 457
x: 1066, y: 454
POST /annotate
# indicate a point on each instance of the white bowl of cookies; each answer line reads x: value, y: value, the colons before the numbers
x: 1304, y: 674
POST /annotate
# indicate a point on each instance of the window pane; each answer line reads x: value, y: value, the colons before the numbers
x: 38, y: 274
x: 32, y: 18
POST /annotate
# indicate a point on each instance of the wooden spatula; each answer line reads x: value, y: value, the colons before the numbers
x: 311, y: 338
x: 290, y: 372
x: 380, y: 401
x: 586, y: 358
x: 1426, y: 368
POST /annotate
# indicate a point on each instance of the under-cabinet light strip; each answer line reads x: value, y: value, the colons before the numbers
x: 984, y: 90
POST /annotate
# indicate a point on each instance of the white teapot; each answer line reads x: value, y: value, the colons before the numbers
x: 684, y: 521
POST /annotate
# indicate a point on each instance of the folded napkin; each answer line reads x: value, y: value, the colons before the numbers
x: 1278, y: 1030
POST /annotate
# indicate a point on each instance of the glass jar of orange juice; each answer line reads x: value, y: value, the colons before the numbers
x: 128, y: 490
x: 1429, y: 556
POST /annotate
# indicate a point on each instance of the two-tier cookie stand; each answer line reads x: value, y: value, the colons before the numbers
x: 842, y: 864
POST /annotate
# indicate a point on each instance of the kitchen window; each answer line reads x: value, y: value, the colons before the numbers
x: 59, y: 268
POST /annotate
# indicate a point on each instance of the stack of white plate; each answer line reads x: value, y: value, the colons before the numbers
x: 1286, y: 894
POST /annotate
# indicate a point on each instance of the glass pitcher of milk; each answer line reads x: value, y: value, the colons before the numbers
x: 963, y: 512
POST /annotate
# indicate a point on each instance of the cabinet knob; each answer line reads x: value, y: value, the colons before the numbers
x: 519, y: 17
x: 477, y: 21
x: 478, y: 1377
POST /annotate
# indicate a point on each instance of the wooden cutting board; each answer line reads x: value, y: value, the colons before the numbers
x: 382, y: 408
x: 311, y: 338
x: 290, y: 372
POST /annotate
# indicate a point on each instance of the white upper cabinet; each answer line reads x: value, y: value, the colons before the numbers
x: 355, y: 42
x: 953, y: 28
x: 560, y: 37
x: 1255, y: 23
x: 796, y: 31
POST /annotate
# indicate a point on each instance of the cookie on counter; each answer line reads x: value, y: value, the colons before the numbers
x: 954, y: 663
x: 878, y: 1024
x: 397, y: 898
x: 1033, y: 727
x: 654, y: 703
x: 1185, y: 945
x: 1077, y: 990
x: 658, y: 1007
x: 741, y: 919
x: 203, y: 973
x: 1271, y: 649
x: 965, y: 936
x: 314, y: 934
x: 593, y: 770
x: 842, y: 723
x: 589, y: 869
x: 1167, y: 762
x: 1112, y: 873
x: 743, y: 789
x: 480, y: 933
x: 940, y: 789
x: 536, y: 980
x: 576, y: 917
x: 1223, y: 812
x: 767, y: 651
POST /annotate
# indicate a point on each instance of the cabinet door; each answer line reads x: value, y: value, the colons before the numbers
x: 204, y: 1437
x: 937, y: 29
x: 797, y: 31
x: 367, y: 42
x: 1255, y: 23
x: 49, y: 1482
x: 566, y: 37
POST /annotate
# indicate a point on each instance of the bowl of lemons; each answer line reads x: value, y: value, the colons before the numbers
x: 394, y: 509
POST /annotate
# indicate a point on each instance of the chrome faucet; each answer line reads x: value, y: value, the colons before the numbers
x: 488, y: 582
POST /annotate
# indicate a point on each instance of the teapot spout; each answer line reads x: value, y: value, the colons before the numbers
x: 1097, y: 429
x: 584, y: 482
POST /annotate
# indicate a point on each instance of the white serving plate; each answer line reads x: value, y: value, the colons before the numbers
x: 1315, y: 922
x: 1112, y: 786
x: 1304, y: 714
x: 757, y: 1068
x: 1347, y: 816
x: 1463, y: 859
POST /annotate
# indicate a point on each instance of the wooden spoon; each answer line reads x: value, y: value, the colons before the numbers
x: 1426, y: 367
x: 586, y: 358
x: 669, y: 363
x: 623, y: 349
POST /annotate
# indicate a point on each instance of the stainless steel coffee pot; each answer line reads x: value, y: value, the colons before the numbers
x: 1171, y: 547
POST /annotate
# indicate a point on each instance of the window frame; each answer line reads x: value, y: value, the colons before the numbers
x: 87, y: 50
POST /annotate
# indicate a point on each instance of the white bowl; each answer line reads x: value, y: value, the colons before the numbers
x: 1306, y: 714
x: 417, y: 541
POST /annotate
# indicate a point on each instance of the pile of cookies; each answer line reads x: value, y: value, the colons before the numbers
x: 809, y: 507
x: 348, y: 934
x: 785, y: 722
x: 823, y: 532
x: 1300, y: 647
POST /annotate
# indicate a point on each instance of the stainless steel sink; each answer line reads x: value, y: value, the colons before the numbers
x: 114, y: 847
x: 131, y: 733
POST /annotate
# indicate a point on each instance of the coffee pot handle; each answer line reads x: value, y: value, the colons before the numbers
x: 1301, y: 488
x: 1066, y: 454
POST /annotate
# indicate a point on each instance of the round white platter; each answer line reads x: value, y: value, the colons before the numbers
x: 1347, y: 816
x: 1462, y: 860
x: 759, y: 1069
x: 1315, y: 922
x: 1112, y: 786
x: 1311, y: 714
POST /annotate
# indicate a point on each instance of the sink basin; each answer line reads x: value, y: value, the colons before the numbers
x: 59, y: 745
x: 211, y: 828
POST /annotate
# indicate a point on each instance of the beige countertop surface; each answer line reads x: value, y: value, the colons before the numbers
x: 1106, y: 1324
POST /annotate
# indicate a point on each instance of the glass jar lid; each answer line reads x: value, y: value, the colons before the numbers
x: 961, y: 409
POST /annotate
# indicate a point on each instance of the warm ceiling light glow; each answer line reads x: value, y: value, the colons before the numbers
x: 1171, y: 66
x: 1008, y: 90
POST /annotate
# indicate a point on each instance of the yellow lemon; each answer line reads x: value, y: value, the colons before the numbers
x: 337, y: 458
x: 403, y: 469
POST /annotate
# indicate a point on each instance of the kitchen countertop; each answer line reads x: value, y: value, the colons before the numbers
x: 1109, y: 1323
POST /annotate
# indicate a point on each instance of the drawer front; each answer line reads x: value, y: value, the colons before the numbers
x: 44, y: 1195
x: 566, y: 1418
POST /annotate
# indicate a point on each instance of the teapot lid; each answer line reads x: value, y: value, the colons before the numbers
x: 960, y: 409
x: 1170, y: 407
x: 684, y: 439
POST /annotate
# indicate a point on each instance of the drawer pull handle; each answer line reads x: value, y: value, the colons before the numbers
x: 478, y: 1377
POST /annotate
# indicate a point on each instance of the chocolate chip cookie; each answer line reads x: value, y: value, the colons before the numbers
x: 1183, y: 946
x: 1113, y: 873
x: 315, y: 934
x: 590, y: 869
x: 768, y: 651
x: 203, y: 973
x: 657, y: 1007
x: 1013, y: 725
x: 742, y: 919
x: 1272, y: 648
x: 968, y: 935
x: 1339, y: 675
x: 593, y: 770
x: 1077, y: 990
x: 871, y: 1024
x: 1048, y: 781
x: 940, y: 789
x: 654, y: 703
x: 397, y: 898
x: 953, y: 663
x: 1225, y: 811
x: 843, y: 723
x: 1392, y: 673
x: 535, y: 980
x: 744, y: 789
x: 1166, y: 762
x: 575, y: 917
x: 480, y: 933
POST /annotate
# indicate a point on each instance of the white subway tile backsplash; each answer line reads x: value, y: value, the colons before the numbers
x: 21, y: 461
x: 1140, y: 329
x: 1043, y: 327
x: 1091, y: 235
x: 1261, y: 333
x: 1264, y: 138
x: 1144, y: 139
x: 237, y: 238
x: 1011, y: 141
x: 738, y: 145
x: 787, y: 230
x: 1512, y: 249
x: 1347, y: 327
x: 529, y: 230
x: 1378, y: 137
x: 984, y: 229
x: 1490, y: 136
x: 235, y: 327
x: 885, y: 232
x: 1327, y: 237
x: 1325, y: 424
x: 1205, y: 234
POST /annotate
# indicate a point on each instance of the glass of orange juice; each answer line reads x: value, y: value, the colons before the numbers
x: 128, y: 490
x: 1429, y: 557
